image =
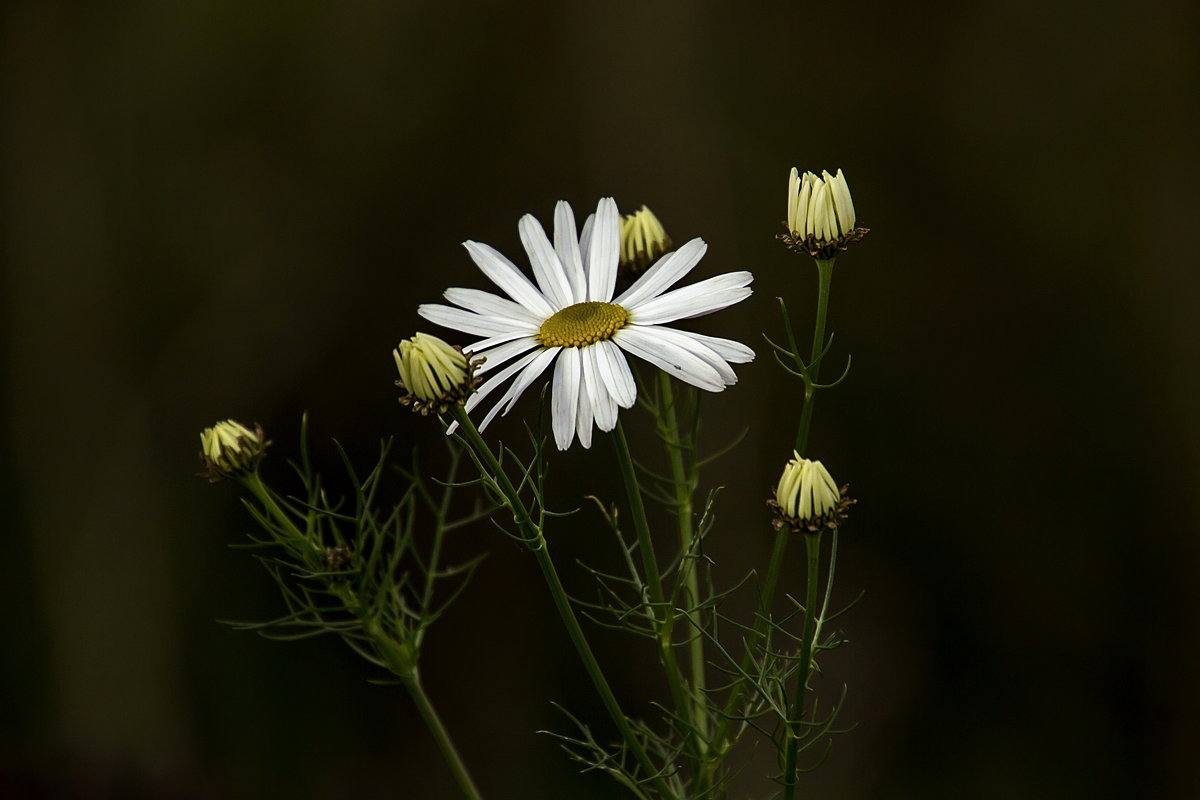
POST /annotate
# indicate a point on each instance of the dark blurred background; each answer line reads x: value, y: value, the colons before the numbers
x: 217, y: 209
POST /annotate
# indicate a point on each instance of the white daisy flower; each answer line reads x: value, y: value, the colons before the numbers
x: 570, y: 317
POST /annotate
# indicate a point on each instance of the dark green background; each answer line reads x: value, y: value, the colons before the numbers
x: 225, y: 208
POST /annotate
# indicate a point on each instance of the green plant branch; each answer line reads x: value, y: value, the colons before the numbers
x: 824, y: 279
x: 664, y: 612
x: 683, y: 480
x: 532, y: 535
x: 794, y: 724
x: 440, y: 735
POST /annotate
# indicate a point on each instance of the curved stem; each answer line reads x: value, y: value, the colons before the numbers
x: 812, y: 543
x: 442, y: 737
x: 824, y: 279
x: 537, y: 543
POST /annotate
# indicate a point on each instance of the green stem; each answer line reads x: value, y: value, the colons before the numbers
x: 758, y: 634
x: 767, y: 597
x: 442, y: 737
x: 663, y: 611
x: 824, y: 279
x: 684, y: 483
x: 812, y: 543
x: 254, y: 483
x: 537, y: 543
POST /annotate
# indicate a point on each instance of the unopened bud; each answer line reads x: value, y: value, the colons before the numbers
x: 434, y: 374
x: 643, y: 241
x: 820, y: 214
x: 807, y: 499
x: 230, y: 449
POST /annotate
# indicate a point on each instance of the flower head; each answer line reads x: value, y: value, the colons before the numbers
x: 571, y: 319
x: 230, y: 449
x: 806, y: 497
x: 820, y: 219
x: 643, y: 241
x: 434, y: 373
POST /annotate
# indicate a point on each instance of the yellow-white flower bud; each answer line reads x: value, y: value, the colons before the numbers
x: 229, y: 449
x: 820, y: 213
x: 643, y: 240
x: 434, y: 373
x: 807, y: 498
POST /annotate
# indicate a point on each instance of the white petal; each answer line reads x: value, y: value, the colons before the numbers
x: 487, y: 303
x: 492, y: 341
x: 535, y: 367
x: 502, y: 353
x: 529, y: 375
x: 584, y: 418
x: 493, y: 383
x: 701, y: 351
x: 565, y: 402
x: 604, y: 251
x: 603, y: 406
x: 695, y: 300
x: 675, y: 361
x: 566, y: 244
x: 504, y: 274
x: 617, y: 374
x: 728, y: 349
x: 585, y: 245
x: 669, y: 270
x: 546, y: 269
x: 470, y: 322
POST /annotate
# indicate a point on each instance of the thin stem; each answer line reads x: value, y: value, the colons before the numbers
x: 757, y: 634
x: 824, y: 278
x: 664, y: 612
x: 442, y: 737
x: 254, y: 483
x: 812, y: 543
x: 684, y: 481
x: 537, y: 543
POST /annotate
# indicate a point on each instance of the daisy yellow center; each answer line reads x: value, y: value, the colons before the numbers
x: 582, y: 324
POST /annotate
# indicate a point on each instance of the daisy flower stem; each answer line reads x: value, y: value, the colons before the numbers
x: 663, y: 611
x: 795, y: 729
x: 445, y: 744
x: 537, y: 543
x: 824, y: 279
x: 683, y: 479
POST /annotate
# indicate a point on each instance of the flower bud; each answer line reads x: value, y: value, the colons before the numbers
x: 807, y: 499
x: 820, y: 218
x: 435, y: 374
x: 229, y: 449
x: 643, y: 241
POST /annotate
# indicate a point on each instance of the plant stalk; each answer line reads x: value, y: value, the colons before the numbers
x: 824, y: 279
x: 442, y: 737
x: 812, y: 543
x: 537, y: 543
